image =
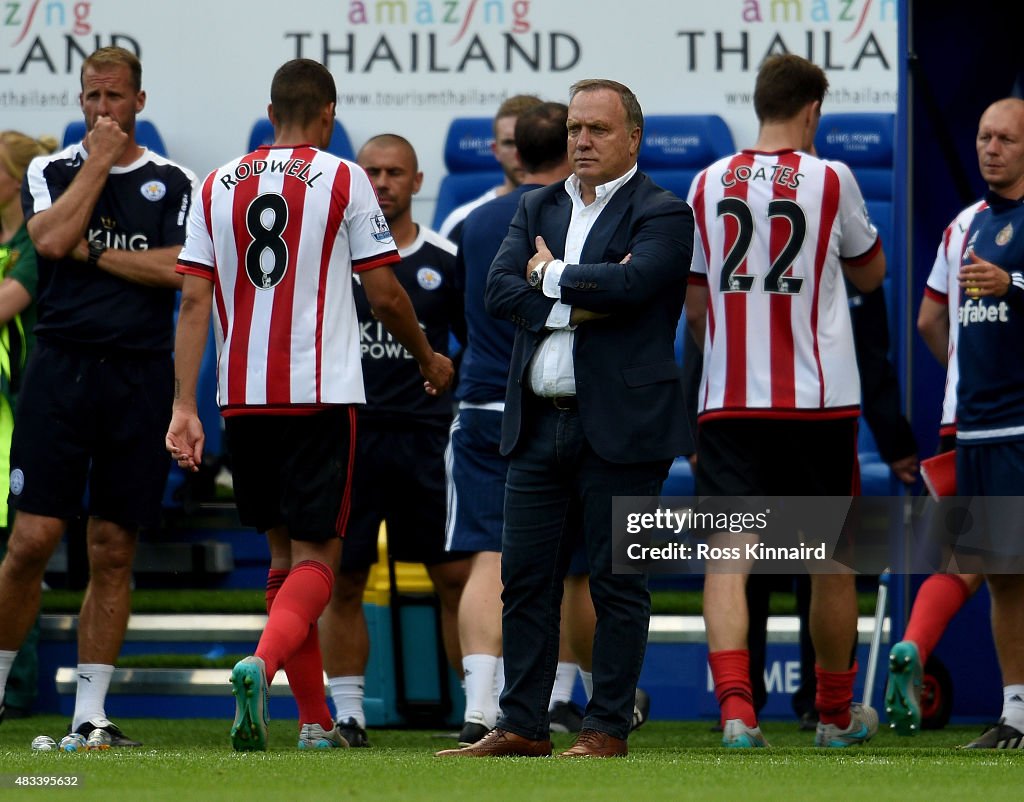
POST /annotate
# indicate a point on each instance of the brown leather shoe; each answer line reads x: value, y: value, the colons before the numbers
x: 501, y: 743
x: 594, y: 743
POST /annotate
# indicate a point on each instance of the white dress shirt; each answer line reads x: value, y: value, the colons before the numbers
x: 551, y: 369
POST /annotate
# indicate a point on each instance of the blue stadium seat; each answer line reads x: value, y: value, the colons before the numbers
x: 675, y: 148
x: 472, y: 168
x: 680, y: 481
x: 146, y: 134
x: 262, y: 133
x: 678, y: 146
x: 866, y: 143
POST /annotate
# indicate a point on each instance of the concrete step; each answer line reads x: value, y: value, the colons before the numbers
x: 170, y: 681
x: 159, y: 627
x: 675, y: 670
x: 204, y: 692
x: 173, y: 693
x: 781, y: 629
x: 214, y: 628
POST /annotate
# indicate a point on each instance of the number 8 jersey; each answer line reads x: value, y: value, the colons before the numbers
x: 771, y: 229
x: 280, y: 232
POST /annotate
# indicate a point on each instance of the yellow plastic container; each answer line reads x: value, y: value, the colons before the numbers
x: 410, y: 577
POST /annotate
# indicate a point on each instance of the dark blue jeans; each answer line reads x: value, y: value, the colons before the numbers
x: 558, y: 490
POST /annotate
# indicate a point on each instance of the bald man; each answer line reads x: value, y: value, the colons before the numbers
x: 990, y: 397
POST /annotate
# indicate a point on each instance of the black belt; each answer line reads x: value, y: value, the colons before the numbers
x: 560, y: 402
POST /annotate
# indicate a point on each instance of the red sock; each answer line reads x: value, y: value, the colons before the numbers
x: 296, y: 608
x: 834, y: 695
x: 305, y: 670
x: 275, y: 578
x: 305, y: 667
x: 940, y: 598
x: 730, y: 669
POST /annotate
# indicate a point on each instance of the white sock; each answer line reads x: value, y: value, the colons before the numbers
x: 480, y: 671
x: 588, y: 682
x: 565, y: 679
x: 1013, y: 706
x: 6, y: 661
x: 347, y: 694
x: 91, y: 695
x: 499, y: 679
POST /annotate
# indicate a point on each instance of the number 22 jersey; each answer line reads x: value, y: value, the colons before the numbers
x: 771, y: 229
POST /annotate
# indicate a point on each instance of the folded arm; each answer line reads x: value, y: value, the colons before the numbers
x: 57, y: 230
x: 153, y: 267
x: 507, y: 295
x: 659, y: 253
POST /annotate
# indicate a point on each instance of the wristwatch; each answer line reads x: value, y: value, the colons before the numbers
x: 536, y: 276
x: 96, y: 249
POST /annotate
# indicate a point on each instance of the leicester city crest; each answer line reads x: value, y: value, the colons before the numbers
x: 429, y: 278
x: 153, y: 190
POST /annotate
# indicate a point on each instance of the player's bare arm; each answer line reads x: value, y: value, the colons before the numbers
x: 391, y: 305
x: 14, y: 298
x: 866, y: 277
x: 185, y: 437
x: 697, y: 311
x: 933, y: 326
x: 153, y: 267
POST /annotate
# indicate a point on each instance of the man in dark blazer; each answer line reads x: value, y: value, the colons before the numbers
x: 593, y: 274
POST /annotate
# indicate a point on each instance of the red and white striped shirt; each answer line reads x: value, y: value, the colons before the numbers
x: 770, y: 231
x: 280, y: 232
x: 943, y: 288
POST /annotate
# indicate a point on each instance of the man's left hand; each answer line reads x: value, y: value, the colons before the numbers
x: 80, y: 253
x: 438, y: 374
x: 981, y: 279
x: 185, y: 439
x: 905, y: 469
x: 543, y: 255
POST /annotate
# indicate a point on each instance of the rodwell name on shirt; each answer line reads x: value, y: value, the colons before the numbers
x: 297, y: 168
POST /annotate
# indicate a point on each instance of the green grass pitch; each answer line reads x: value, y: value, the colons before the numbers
x: 185, y: 760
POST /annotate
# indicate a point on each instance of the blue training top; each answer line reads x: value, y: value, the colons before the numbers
x: 394, y: 386
x: 990, y: 391
x: 144, y: 205
x: 483, y: 374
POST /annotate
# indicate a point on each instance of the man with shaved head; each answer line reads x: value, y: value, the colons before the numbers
x: 990, y: 400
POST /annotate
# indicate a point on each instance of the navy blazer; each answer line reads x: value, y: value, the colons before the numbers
x: 628, y: 384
